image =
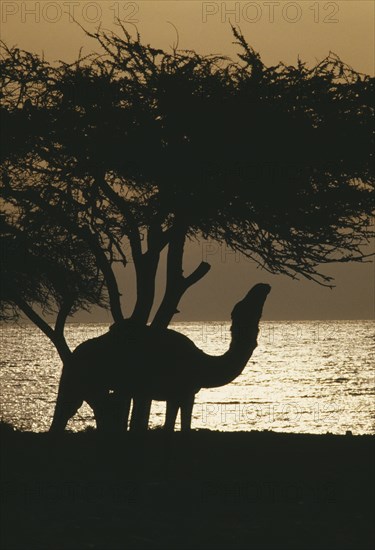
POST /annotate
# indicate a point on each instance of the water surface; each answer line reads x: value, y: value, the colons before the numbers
x: 304, y: 376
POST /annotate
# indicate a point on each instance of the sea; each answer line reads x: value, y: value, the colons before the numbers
x: 304, y: 377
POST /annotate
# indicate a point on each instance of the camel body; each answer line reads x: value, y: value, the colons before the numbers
x: 108, y: 383
x: 144, y: 363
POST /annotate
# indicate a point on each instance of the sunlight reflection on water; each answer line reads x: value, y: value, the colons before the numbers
x: 304, y: 376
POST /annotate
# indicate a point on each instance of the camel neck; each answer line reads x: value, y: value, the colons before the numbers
x: 223, y: 369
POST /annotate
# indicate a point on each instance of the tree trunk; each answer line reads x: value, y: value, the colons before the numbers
x: 146, y: 268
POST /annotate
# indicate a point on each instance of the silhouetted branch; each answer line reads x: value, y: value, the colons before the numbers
x: 176, y: 284
x: 197, y: 274
x: 62, y: 315
x: 56, y: 338
x: 276, y: 162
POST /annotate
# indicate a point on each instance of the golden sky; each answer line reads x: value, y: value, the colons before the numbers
x: 280, y: 31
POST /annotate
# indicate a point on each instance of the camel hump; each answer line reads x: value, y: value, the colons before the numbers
x: 124, y: 324
x: 91, y: 346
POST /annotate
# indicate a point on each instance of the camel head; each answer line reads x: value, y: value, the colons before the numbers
x: 247, y: 313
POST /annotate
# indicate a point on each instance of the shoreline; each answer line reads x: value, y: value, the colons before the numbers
x: 205, y: 489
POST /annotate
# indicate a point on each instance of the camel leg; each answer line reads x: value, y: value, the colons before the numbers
x: 140, y: 413
x: 63, y: 413
x: 186, y: 411
x: 67, y: 403
x: 103, y: 404
x: 171, y: 415
x: 120, y: 409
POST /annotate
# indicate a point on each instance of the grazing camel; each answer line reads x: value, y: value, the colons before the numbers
x: 145, y: 363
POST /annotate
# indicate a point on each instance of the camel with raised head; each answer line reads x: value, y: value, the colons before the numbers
x: 145, y: 363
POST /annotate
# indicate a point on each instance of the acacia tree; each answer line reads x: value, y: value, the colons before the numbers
x: 46, y: 274
x: 139, y: 147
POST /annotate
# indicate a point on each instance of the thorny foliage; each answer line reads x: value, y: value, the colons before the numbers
x: 45, y: 265
x: 127, y: 145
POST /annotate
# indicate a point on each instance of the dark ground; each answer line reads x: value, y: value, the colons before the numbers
x: 258, y: 490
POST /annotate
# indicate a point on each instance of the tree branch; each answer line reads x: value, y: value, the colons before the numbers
x: 62, y: 316
x: 177, y: 284
x: 58, y: 340
x: 197, y: 274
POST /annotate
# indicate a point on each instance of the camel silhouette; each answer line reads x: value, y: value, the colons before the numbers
x: 146, y: 363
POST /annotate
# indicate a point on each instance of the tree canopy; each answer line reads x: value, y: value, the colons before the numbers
x: 46, y: 272
x: 135, y: 146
